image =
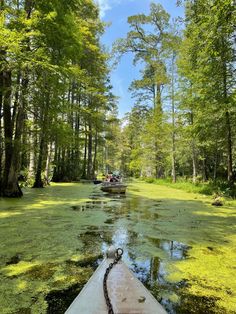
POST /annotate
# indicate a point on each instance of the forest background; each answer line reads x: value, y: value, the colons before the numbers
x: 58, y: 116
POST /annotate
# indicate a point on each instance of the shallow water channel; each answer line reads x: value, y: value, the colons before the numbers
x: 176, y: 243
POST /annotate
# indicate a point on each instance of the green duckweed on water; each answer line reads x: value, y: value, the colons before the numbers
x: 178, y: 244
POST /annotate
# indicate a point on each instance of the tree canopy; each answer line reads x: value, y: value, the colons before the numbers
x: 59, y: 118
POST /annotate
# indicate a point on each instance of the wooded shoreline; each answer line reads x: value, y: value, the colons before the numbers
x: 59, y: 116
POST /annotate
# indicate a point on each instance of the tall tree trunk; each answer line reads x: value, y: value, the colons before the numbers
x: 25, y: 146
x: 229, y: 149
x: 10, y: 182
x: 16, y: 117
x: 77, y: 133
x: 56, y: 163
x: 84, y: 172
x: 1, y: 130
x: 173, y: 171
x: 38, y: 177
x: 157, y: 98
x: 95, y: 153
x: 194, y: 153
x: 48, y: 162
x: 2, y: 54
x: 8, y: 132
x: 11, y: 186
x: 204, y: 168
x: 32, y: 154
x: 194, y: 161
x: 43, y: 141
x: 227, y: 115
x: 90, y: 149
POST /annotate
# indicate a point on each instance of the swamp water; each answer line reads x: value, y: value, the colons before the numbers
x: 176, y: 243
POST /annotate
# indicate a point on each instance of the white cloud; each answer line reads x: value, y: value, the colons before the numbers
x: 104, y: 6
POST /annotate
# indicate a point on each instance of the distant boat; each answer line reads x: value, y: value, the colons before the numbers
x: 114, y: 187
x: 126, y: 293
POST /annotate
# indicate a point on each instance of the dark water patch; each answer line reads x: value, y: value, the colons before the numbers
x: 93, y: 239
x: 89, y: 205
x: 157, y: 204
x: 14, y: 259
x: 83, y: 207
x: 59, y: 300
x: 89, y: 261
x: 97, y: 202
x: 95, y: 196
x: 133, y: 237
x: 109, y: 208
x: 192, y: 304
x: 149, y: 216
x: 89, y: 232
x: 109, y: 221
x: 115, y: 196
x: 210, y: 250
x: 154, y: 240
x: 44, y: 272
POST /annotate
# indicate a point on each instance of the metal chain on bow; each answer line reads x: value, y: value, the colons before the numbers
x: 118, y: 255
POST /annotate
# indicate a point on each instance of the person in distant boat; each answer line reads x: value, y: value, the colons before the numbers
x: 108, y: 178
x: 114, y: 178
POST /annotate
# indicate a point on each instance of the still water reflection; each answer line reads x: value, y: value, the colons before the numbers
x: 149, y: 231
x: 133, y: 226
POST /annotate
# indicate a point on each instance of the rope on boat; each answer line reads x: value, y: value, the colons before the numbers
x: 118, y: 256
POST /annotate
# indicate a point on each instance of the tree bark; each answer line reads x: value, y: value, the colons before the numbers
x: 1, y: 134
x: 84, y: 172
x: 173, y: 171
x: 38, y: 177
x: 10, y: 181
x: 230, y: 176
x: 95, y: 153
x: 11, y: 186
x: 229, y: 150
x: 194, y: 154
x: 8, y: 132
x: 43, y: 141
x: 90, y: 148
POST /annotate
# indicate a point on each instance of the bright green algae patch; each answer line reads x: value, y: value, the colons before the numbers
x: 208, y: 269
x: 177, y: 243
x: 39, y: 234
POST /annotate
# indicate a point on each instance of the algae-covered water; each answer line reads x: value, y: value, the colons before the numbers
x: 179, y: 245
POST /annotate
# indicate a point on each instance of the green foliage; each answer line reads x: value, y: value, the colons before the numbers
x: 208, y: 188
x: 59, y: 79
x: 207, y: 82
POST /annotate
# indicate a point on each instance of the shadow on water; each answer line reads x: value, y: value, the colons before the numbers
x: 59, y: 301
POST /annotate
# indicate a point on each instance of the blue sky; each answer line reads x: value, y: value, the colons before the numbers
x: 116, y: 12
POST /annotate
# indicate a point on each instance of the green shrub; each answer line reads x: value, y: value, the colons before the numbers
x: 219, y: 187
